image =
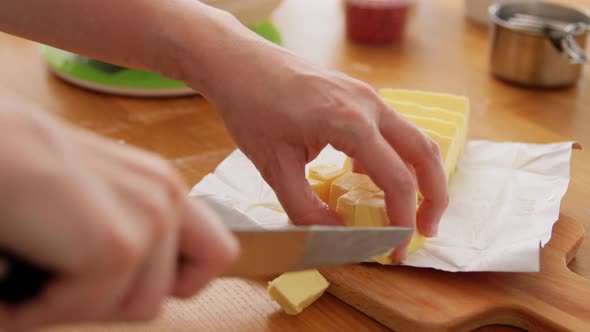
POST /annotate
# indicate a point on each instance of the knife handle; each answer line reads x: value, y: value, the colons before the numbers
x: 20, y: 281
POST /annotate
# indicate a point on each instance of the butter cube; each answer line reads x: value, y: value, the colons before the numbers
x: 347, y: 165
x: 371, y: 212
x: 320, y: 188
x: 349, y: 182
x: 418, y: 241
x: 294, y: 291
x: 366, y: 209
x: 346, y: 206
x: 325, y: 173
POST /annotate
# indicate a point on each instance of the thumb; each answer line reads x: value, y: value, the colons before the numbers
x: 300, y: 202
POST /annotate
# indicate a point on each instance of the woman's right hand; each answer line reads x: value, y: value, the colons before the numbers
x: 109, y: 220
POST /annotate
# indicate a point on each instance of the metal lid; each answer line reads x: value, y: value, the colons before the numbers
x: 539, y: 17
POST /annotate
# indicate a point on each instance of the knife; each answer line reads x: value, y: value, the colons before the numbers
x: 268, y: 252
x: 263, y: 252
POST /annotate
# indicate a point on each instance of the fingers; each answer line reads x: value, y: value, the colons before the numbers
x: 287, y: 177
x: 381, y: 162
x: 149, y: 189
x: 357, y: 168
x: 153, y: 281
x: 424, y: 156
x: 89, y: 288
x: 206, y: 247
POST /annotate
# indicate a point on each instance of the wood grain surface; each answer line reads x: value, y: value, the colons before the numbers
x: 443, y: 52
x: 410, y: 299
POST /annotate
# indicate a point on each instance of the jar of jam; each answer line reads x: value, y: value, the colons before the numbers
x: 376, y: 22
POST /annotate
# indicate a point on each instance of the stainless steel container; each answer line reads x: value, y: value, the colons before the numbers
x: 538, y: 44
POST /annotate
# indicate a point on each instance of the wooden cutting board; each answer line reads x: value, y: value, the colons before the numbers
x: 414, y: 299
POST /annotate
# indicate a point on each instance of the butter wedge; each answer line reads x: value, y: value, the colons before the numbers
x: 348, y: 182
x: 294, y: 291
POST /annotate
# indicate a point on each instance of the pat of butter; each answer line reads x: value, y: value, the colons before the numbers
x: 349, y: 182
x: 322, y: 189
x: 325, y: 172
x: 294, y: 291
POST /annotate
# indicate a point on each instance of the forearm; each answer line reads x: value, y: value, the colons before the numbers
x: 174, y: 37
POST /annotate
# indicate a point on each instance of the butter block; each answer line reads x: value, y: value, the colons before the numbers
x: 441, y: 127
x: 445, y: 129
x: 294, y: 291
x: 447, y: 150
x: 405, y: 107
x: 322, y: 189
x: 349, y: 182
x: 410, y: 108
x: 325, y: 173
x: 431, y: 99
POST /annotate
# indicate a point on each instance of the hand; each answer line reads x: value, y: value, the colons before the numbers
x: 282, y: 111
x: 109, y: 220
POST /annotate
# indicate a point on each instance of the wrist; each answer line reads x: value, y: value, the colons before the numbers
x: 220, y: 53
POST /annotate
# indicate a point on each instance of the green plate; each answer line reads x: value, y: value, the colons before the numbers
x: 105, y: 77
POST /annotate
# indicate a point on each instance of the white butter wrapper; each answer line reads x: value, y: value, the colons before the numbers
x: 504, y: 200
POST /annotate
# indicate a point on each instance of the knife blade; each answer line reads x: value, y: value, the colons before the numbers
x: 289, y: 248
x: 275, y: 251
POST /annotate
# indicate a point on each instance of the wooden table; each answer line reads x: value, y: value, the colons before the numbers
x: 443, y: 52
